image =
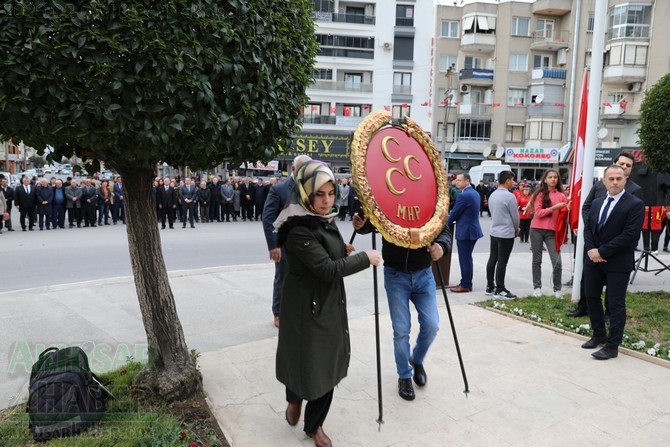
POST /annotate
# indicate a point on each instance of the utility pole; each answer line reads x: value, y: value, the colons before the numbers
x: 448, y: 96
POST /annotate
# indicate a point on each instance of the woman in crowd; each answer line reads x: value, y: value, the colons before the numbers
x: 547, y: 201
x: 203, y: 197
x: 313, y: 350
x: 523, y: 200
x: 237, y: 200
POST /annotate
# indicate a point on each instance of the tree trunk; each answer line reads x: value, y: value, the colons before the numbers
x: 171, y: 368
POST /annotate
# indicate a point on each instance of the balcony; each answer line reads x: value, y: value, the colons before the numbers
x: 476, y: 76
x: 478, y: 42
x: 549, y: 40
x: 544, y: 109
x: 548, y: 73
x: 360, y: 19
x: 556, y: 8
x: 319, y: 119
x: 623, y: 110
x: 474, y: 110
x: 341, y: 86
x: 625, y: 73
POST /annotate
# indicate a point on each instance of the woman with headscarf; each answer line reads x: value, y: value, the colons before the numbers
x: 313, y: 350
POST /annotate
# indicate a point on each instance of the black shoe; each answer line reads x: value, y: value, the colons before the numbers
x: 93, y: 225
x: 606, y: 353
x: 489, y: 290
x: 578, y: 312
x: 419, y: 374
x: 594, y: 342
x: 405, y: 389
x: 10, y: 229
x: 31, y: 229
x: 163, y: 227
x: 192, y: 226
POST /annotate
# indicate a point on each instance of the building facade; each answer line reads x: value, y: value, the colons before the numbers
x: 509, y: 78
x: 372, y: 55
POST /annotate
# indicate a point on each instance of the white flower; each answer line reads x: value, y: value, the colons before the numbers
x: 638, y: 345
x: 651, y: 352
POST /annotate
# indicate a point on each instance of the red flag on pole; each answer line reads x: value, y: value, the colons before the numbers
x: 578, y: 155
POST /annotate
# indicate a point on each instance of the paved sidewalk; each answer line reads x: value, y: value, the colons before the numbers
x: 528, y: 385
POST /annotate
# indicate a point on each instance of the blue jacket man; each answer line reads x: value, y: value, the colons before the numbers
x: 465, y: 215
x: 277, y: 199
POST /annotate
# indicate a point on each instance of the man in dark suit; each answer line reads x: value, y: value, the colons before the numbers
x: 89, y: 203
x: 611, y: 231
x: 167, y: 199
x: 277, y: 199
x: 466, y: 217
x: 626, y: 161
x: 26, y: 200
x: 247, y: 197
x: 187, y: 196
x: 118, y: 209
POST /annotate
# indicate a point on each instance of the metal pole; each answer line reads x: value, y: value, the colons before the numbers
x: 380, y: 420
x: 453, y: 331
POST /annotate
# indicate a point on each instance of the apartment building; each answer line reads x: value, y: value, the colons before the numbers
x: 372, y: 55
x: 509, y: 74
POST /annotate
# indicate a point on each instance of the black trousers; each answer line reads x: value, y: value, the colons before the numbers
x: 167, y: 211
x: 30, y: 213
x: 315, y: 410
x: 501, y: 248
x: 595, y: 278
x: 524, y: 229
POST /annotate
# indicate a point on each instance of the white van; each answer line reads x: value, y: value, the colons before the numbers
x: 487, y: 171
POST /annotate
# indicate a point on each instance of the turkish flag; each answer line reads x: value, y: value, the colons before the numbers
x: 347, y: 111
x: 578, y: 156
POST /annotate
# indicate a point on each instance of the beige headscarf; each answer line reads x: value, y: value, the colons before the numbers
x: 311, y: 176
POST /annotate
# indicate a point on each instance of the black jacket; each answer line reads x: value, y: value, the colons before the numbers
x: 410, y: 259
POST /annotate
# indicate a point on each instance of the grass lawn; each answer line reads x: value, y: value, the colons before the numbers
x: 647, y: 323
x: 130, y: 420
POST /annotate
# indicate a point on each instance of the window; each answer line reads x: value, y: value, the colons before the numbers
x: 403, y: 48
x: 514, y: 133
x: 351, y: 110
x: 449, y: 28
x: 518, y: 62
x: 447, y: 61
x: 323, y: 73
x: 630, y: 20
x: 545, y: 29
x: 312, y: 113
x: 516, y: 97
x: 404, y: 15
x: 353, y: 81
x: 402, y: 83
x: 346, y: 46
x: 472, y: 62
x: 541, y: 61
x: 544, y: 130
x: 590, y: 22
x: 520, y: 26
x: 451, y: 127
x: 481, y: 24
x: 474, y: 129
x: 400, y: 111
x: 324, y: 5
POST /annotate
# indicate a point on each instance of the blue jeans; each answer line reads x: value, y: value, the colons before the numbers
x: 419, y: 288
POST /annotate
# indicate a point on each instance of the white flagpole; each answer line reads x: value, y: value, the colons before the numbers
x: 595, y: 84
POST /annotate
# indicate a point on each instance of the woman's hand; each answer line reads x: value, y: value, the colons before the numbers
x: 374, y: 256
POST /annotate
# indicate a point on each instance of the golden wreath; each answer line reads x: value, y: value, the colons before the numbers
x: 404, y: 236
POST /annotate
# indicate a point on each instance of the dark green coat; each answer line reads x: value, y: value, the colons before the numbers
x: 313, y: 351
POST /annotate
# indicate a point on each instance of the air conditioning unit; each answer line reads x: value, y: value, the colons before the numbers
x: 465, y: 88
x: 635, y: 87
x: 387, y: 46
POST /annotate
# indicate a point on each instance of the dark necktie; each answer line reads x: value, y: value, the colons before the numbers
x: 603, y: 216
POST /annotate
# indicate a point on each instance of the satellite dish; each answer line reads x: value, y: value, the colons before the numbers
x: 500, y: 151
x: 453, y: 147
x: 602, y: 133
x: 487, y: 151
x: 539, y: 98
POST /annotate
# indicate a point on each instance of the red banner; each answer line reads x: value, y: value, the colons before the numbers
x: 578, y: 158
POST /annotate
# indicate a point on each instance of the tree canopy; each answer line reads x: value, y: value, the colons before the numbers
x: 183, y: 82
x: 655, y: 125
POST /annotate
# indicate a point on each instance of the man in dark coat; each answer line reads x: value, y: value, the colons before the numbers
x: 166, y: 197
x: 247, y: 191
x: 73, y: 195
x: 89, y: 203
x: 214, y: 201
x: 187, y: 196
x: 26, y: 200
x: 276, y: 201
x: 45, y: 197
x: 259, y: 198
x: 611, y: 232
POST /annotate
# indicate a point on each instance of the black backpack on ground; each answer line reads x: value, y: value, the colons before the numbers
x: 65, y: 397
